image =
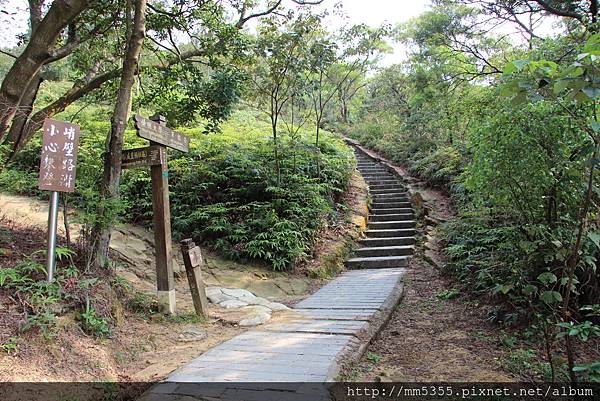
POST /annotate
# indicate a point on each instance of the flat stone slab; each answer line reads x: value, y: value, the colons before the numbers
x: 305, y: 347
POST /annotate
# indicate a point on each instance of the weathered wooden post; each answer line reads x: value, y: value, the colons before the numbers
x: 192, y: 259
x: 155, y: 156
x: 165, y: 279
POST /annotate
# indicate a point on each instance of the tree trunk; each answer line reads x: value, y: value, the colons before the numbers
x: 109, y: 190
x: 27, y: 66
x: 35, y: 14
x: 20, y: 134
x: 25, y: 109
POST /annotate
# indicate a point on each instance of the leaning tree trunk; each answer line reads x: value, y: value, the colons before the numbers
x: 25, y: 108
x: 39, y: 49
x: 109, y: 191
x: 20, y: 133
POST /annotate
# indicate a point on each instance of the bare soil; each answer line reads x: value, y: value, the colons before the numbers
x: 431, y: 339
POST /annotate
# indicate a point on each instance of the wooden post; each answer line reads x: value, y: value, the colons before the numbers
x: 165, y: 280
x: 192, y: 259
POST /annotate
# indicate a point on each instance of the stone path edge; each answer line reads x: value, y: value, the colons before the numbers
x: 374, y: 327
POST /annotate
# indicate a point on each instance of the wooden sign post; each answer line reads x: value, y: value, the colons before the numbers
x: 58, y: 164
x: 192, y: 259
x: 155, y: 156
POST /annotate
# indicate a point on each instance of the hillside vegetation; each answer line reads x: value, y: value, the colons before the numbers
x: 224, y: 192
x: 511, y: 132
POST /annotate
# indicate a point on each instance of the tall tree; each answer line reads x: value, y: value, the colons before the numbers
x: 109, y: 191
x: 280, y: 63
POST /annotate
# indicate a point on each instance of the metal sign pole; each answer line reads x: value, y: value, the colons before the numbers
x: 52, y: 224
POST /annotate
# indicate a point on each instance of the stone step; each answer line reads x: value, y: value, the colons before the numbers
x: 370, y: 180
x: 385, y: 251
x: 389, y: 204
x: 395, y: 232
x: 371, y: 174
x: 378, y: 198
x: 384, y: 225
x: 388, y: 191
x: 387, y: 241
x: 391, y: 217
x: 396, y: 198
x: 381, y: 176
x: 377, y: 262
x: 367, y: 170
x: 392, y: 210
x: 395, y: 181
x: 392, y: 185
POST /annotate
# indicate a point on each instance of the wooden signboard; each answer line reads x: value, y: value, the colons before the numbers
x: 192, y: 259
x: 141, y: 157
x: 156, y: 131
x: 159, y: 133
x: 58, y: 162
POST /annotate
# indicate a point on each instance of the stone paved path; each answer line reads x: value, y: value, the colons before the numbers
x: 291, y: 359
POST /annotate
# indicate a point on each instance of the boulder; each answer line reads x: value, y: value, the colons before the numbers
x: 232, y: 303
x: 256, y: 319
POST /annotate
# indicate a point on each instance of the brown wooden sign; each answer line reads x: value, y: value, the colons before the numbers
x: 142, y: 157
x: 155, y: 132
x: 192, y: 259
x: 58, y: 162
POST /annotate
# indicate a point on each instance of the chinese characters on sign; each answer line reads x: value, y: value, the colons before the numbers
x: 59, y: 156
x: 141, y: 157
x: 158, y: 133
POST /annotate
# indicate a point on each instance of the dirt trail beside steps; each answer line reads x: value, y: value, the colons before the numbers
x: 140, y: 348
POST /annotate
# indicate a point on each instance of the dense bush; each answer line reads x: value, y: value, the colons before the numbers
x: 517, y: 172
x: 224, y: 191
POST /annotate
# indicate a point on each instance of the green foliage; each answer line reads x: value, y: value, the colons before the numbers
x: 223, y: 192
x: 143, y: 303
x: 228, y: 196
x: 448, y: 294
x: 42, y: 301
x: 373, y: 357
x: 93, y: 324
x: 190, y: 318
x: 10, y: 345
x: 525, y: 362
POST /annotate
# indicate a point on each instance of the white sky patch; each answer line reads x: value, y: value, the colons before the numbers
x: 14, y: 22
x: 379, y: 12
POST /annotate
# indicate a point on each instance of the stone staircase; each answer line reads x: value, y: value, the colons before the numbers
x: 390, y: 234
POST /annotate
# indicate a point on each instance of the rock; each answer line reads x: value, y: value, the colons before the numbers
x: 260, y: 301
x: 255, y: 320
x: 116, y: 311
x: 193, y: 334
x: 417, y: 201
x: 431, y: 258
x: 276, y: 306
x: 213, y: 290
x: 217, y: 298
x: 238, y: 293
x: 232, y: 303
x: 256, y: 309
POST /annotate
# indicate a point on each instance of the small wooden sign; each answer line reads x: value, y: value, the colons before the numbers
x: 158, y: 133
x: 58, y: 162
x: 192, y: 259
x: 142, y: 157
